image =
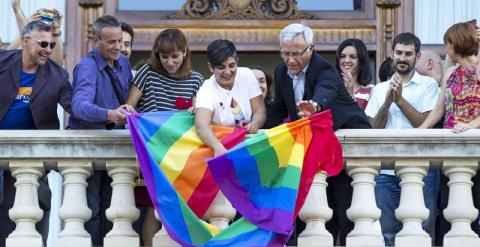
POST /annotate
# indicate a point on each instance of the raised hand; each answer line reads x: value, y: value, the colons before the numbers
x: 16, y: 5
x: 396, y: 86
x: 307, y: 108
x: 348, y: 80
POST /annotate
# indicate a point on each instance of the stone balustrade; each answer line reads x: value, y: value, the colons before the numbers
x: 76, y: 154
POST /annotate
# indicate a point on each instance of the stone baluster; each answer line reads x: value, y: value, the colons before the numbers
x: 460, y: 211
x: 26, y: 210
x: 161, y: 238
x: 315, y: 212
x: 221, y: 212
x: 363, y: 210
x: 122, y: 211
x: 412, y: 211
x: 74, y: 211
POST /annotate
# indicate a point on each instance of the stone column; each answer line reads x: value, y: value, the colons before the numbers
x: 74, y: 211
x: 363, y: 211
x: 122, y: 211
x: 460, y: 211
x: 25, y: 211
x: 412, y: 211
x: 221, y: 212
x: 161, y: 238
x: 315, y: 212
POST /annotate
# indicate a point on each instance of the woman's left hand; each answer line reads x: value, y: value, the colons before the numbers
x: 251, y: 128
x: 191, y: 109
x: 461, y: 127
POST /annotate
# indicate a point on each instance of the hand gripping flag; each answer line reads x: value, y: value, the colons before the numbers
x: 266, y: 177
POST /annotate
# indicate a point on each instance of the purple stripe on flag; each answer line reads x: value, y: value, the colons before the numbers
x: 279, y: 221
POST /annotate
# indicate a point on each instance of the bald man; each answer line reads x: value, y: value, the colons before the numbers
x: 430, y: 64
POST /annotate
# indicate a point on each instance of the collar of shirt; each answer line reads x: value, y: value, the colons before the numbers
x: 101, y: 63
x: 300, y: 75
x: 415, y: 79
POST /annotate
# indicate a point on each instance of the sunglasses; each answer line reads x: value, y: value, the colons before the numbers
x: 44, y: 44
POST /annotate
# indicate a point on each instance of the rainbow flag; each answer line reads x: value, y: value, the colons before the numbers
x: 266, y: 177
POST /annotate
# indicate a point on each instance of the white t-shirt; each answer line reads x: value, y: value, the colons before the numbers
x: 229, y: 106
x: 421, y: 92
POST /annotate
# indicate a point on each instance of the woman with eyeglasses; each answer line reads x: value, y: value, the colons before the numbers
x: 167, y: 82
x: 354, y: 67
x: 230, y: 97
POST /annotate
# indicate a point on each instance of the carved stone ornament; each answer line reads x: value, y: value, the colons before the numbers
x: 238, y: 9
x: 90, y: 3
x: 388, y: 3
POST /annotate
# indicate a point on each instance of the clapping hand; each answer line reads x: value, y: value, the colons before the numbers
x: 396, y: 86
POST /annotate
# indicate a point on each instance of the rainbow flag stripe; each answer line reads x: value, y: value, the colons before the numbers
x: 172, y: 159
x: 266, y: 177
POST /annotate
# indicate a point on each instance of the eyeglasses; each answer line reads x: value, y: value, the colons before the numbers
x: 296, y: 54
x: 44, y: 44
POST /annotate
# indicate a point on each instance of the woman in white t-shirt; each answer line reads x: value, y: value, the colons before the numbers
x: 230, y: 97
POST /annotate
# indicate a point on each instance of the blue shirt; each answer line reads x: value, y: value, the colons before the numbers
x: 93, y: 92
x: 19, y: 115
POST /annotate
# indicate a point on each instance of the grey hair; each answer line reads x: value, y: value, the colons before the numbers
x: 104, y: 21
x: 292, y: 31
x: 35, y: 26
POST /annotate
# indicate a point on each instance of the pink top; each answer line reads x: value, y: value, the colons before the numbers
x: 462, y: 97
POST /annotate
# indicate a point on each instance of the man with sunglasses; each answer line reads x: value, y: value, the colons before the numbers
x: 32, y: 84
x: 31, y: 87
x: 306, y: 83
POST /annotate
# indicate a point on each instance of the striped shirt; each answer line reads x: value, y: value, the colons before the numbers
x: 163, y: 93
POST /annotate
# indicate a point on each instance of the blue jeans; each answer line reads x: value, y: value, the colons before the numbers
x: 387, y: 194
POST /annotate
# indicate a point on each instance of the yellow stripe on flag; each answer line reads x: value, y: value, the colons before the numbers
x: 297, y: 155
x: 281, y: 141
x: 177, y: 155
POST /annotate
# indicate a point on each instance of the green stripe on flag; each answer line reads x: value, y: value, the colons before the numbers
x: 199, y: 234
x: 239, y: 227
x: 169, y: 133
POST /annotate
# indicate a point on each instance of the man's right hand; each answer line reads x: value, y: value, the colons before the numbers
x: 118, y: 115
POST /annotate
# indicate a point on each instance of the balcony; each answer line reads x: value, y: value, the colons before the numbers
x: 75, y: 154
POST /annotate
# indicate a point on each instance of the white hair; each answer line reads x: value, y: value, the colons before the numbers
x: 292, y: 31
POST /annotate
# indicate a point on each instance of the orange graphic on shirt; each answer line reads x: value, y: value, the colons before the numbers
x: 24, y: 94
x: 24, y: 90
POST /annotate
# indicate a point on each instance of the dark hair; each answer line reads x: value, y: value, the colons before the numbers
x: 35, y: 26
x: 386, y: 70
x: 269, y: 80
x: 103, y: 22
x: 407, y: 39
x: 127, y: 28
x: 463, y: 39
x: 167, y: 42
x: 220, y: 50
x: 364, y: 72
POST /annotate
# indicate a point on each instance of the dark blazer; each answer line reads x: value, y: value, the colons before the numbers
x: 51, y: 86
x: 323, y: 85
